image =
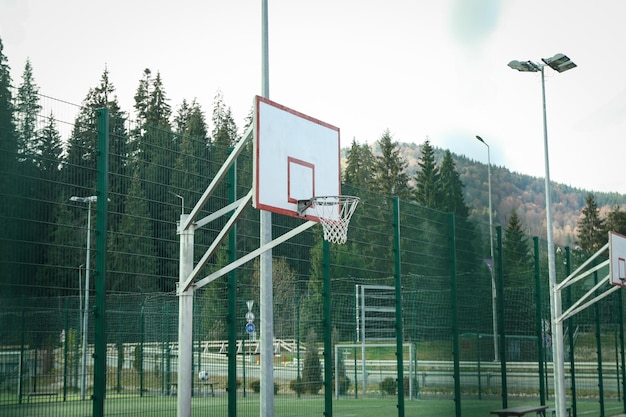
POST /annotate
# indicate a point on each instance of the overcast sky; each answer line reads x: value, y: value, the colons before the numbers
x: 422, y: 69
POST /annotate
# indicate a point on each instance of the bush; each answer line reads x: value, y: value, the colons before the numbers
x: 255, y: 384
x: 388, y: 386
x: 312, y: 380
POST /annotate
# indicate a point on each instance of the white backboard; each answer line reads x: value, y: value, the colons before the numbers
x: 296, y: 157
x: 617, y: 253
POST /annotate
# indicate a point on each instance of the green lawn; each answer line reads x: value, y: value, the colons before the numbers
x: 284, y: 406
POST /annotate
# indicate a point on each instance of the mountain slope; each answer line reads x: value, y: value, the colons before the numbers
x: 514, y: 191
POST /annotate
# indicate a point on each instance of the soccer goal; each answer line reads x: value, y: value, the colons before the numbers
x: 373, y: 369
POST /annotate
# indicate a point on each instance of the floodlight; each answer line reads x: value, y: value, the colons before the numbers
x: 559, y: 63
x: 524, y: 66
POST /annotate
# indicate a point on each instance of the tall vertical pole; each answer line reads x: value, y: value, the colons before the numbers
x: 265, y: 261
x: 185, y: 321
x: 539, y: 328
x: 494, y: 309
x: 501, y: 330
x: 328, y: 349
x: 555, y: 296
x: 100, y: 343
x: 398, y: 294
x: 454, y: 310
x: 570, y: 334
x: 83, y: 368
x: 232, y: 300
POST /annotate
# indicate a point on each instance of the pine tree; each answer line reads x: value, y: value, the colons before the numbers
x: 133, y: 262
x: 312, y: 380
x: 428, y: 186
x: 154, y: 156
x: 616, y: 221
x: 390, y: 176
x: 359, y: 166
x: 452, y: 199
x: 9, y: 182
x: 26, y: 112
x: 591, y: 228
x: 517, y: 259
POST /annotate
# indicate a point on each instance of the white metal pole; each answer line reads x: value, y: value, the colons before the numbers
x: 555, y: 296
x: 83, y: 386
x: 494, y: 297
x: 265, y: 262
x: 185, y: 321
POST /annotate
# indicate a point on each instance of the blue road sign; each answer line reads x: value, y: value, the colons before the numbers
x: 250, y: 328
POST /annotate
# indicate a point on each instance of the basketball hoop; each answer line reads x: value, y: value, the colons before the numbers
x: 334, y: 213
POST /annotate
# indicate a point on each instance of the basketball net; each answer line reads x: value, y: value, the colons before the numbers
x: 334, y: 213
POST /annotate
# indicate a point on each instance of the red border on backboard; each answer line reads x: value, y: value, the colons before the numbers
x: 296, y: 161
x: 280, y: 210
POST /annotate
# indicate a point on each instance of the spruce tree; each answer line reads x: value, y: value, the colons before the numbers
x: 390, y: 176
x: 133, y: 262
x: 312, y: 380
x: 9, y: 181
x: 452, y: 199
x: 428, y: 186
x: 517, y: 259
x: 27, y: 110
x: 154, y: 157
x: 591, y: 228
x: 616, y: 221
x: 359, y: 166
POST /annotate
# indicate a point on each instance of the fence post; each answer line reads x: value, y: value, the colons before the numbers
x: 99, y: 308
x: 596, y: 308
x: 328, y: 361
x: 66, y: 338
x: 455, y: 323
x: 539, y: 323
x: 502, y: 334
x: 398, y: 291
x: 570, y: 335
x: 233, y: 324
x: 621, y: 342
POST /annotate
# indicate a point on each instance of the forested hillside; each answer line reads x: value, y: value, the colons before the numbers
x: 512, y: 190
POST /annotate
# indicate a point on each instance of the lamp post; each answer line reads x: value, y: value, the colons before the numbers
x: 87, y: 200
x: 491, y: 267
x: 559, y: 63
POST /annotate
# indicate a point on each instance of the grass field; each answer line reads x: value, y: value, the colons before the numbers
x: 287, y: 407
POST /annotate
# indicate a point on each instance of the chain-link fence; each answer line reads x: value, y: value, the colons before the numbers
x: 407, y: 270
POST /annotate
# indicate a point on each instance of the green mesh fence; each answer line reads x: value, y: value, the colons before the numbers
x: 453, y: 361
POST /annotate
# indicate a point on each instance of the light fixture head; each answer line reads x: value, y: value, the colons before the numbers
x: 90, y: 199
x: 559, y: 63
x: 524, y: 66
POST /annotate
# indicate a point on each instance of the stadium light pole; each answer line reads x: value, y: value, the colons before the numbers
x: 559, y: 63
x: 491, y: 267
x: 88, y: 200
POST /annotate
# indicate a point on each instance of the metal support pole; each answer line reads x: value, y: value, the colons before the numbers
x: 328, y: 349
x: 265, y: 260
x: 555, y: 295
x: 539, y: 328
x: 185, y: 321
x: 454, y: 310
x: 501, y: 331
x: 572, y: 327
x: 494, y: 300
x: 232, y: 300
x: 398, y: 294
x: 83, y: 366
x: 100, y: 343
